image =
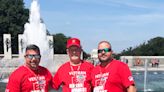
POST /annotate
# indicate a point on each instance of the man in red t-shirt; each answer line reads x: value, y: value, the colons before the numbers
x: 30, y: 77
x: 74, y: 75
x: 111, y: 75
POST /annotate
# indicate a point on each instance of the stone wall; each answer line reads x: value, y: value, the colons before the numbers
x: 60, y: 59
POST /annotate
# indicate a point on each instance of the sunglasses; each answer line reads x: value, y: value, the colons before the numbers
x: 31, y: 56
x: 105, y: 50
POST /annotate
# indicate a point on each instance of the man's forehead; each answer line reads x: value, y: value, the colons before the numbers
x: 73, y: 47
x: 104, y: 45
x: 31, y: 51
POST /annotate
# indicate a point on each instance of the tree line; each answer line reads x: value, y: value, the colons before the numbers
x: 153, y: 47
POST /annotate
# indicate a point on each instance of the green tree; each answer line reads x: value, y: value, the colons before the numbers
x: 153, y: 47
x: 13, y: 16
x: 60, y: 41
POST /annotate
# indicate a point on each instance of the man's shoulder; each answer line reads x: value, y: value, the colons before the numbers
x: 20, y: 69
x: 87, y: 63
x: 96, y: 67
x: 18, y: 73
x: 118, y: 62
x: 64, y: 68
x: 66, y: 64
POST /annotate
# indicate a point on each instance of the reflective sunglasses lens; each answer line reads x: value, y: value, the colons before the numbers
x: 99, y: 51
x: 29, y: 56
x: 37, y: 56
x: 107, y: 49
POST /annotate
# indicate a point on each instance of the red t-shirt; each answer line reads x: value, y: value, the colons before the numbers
x: 74, y: 78
x: 115, y: 77
x: 25, y: 80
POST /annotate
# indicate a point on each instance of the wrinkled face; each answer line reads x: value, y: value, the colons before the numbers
x: 74, y: 53
x: 32, y: 58
x: 104, y: 52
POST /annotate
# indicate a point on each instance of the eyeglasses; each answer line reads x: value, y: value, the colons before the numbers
x: 72, y: 50
x: 31, y: 56
x: 105, y: 50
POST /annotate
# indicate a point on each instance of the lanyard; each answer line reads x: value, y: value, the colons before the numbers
x: 75, y: 76
x: 78, y: 68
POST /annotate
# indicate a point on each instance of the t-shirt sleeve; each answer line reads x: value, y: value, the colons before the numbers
x: 51, y: 79
x: 126, y: 76
x: 13, y: 84
x: 56, y: 81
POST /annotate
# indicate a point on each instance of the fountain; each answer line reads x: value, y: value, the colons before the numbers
x: 34, y: 33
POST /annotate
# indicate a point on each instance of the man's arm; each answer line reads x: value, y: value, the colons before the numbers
x: 56, y: 81
x: 131, y: 88
x: 13, y: 85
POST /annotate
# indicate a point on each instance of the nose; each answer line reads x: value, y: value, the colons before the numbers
x: 73, y: 51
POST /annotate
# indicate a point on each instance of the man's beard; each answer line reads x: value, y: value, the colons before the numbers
x: 34, y: 66
x: 74, y: 57
x: 106, y: 60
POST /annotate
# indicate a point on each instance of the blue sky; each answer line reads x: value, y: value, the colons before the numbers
x: 124, y: 23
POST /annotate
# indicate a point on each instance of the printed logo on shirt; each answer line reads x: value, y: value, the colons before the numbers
x: 78, y: 78
x: 100, y: 80
x: 130, y: 78
x: 99, y: 89
x: 7, y: 90
x: 35, y: 78
x: 79, y: 90
x: 38, y: 82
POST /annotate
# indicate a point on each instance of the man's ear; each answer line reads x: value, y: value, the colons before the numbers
x: 112, y: 51
x: 24, y: 55
x: 81, y: 49
x: 67, y: 51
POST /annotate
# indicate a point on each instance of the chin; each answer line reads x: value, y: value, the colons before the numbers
x: 75, y: 60
x: 104, y: 59
x: 34, y: 67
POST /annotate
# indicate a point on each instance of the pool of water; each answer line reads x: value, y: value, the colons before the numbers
x: 155, y: 82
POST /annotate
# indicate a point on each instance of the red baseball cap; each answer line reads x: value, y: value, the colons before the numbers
x: 73, y: 41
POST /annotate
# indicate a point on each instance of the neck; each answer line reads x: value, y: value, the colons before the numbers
x: 75, y: 64
x: 31, y: 68
x: 104, y: 64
